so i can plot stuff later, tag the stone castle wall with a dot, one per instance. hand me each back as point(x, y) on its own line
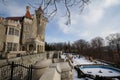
point(43, 67)
point(2, 37)
point(27, 60)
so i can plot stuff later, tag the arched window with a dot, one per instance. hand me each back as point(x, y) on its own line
point(31, 47)
point(23, 48)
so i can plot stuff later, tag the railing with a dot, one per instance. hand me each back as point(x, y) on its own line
point(13, 71)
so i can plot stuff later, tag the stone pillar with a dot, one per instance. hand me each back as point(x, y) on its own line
point(18, 46)
point(5, 46)
point(53, 73)
point(40, 48)
point(66, 71)
point(43, 48)
point(40, 67)
point(27, 46)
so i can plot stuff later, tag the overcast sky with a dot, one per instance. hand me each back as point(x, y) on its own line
point(99, 18)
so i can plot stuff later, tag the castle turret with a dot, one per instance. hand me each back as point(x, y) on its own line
point(28, 15)
point(26, 26)
point(41, 24)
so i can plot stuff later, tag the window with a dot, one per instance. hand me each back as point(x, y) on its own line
point(9, 46)
point(16, 32)
point(12, 46)
point(15, 46)
point(11, 31)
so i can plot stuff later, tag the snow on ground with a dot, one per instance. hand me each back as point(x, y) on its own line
point(94, 71)
point(63, 56)
point(80, 61)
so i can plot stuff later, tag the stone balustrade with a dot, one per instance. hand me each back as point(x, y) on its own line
point(66, 71)
point(27, 60)
point(13, 23)
point(44, 69)
point(40, 67)
point(53, 73)
point(58, 71)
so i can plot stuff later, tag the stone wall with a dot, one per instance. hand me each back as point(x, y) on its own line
point(58, 71)
point(66, 71)
point(2, 36)
point(44, 69)
point(30, 59)
point(40, 67)
point(52, 73)
point(27, 60)
point(50, 54)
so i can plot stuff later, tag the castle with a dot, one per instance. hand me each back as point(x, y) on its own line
point(22, 35)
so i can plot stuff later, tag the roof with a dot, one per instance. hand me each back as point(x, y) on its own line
point(28, 15)
point(40, 9)
point(14, 18)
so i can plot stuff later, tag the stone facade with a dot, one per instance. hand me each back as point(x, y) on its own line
point(25, 60)
point(26, 33)
point(10, 35)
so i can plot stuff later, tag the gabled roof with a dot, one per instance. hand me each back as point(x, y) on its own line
point(14, 18)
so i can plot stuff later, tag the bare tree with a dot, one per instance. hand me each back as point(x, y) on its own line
point(80, 45)
point(97, 43)
point(50, 7)
point(114, 42)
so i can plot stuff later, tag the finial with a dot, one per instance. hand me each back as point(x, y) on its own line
point(27, 8)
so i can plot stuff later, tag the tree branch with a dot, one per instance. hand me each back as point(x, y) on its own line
point(50, 7)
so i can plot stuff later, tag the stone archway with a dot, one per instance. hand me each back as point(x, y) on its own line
point(31, 47)
point(23, 48)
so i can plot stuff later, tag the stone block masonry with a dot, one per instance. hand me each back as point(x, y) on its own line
point(26, 60)
point(66, 71)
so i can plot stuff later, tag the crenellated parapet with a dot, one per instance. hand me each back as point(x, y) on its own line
point(13, 23)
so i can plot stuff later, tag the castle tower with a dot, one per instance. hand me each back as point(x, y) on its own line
point(41, 24)
point(26, 26)
point(28, 15)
